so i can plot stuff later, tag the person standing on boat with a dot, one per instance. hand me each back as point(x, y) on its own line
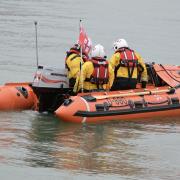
point(73, 63)
point(128, 66)
point(96, 73)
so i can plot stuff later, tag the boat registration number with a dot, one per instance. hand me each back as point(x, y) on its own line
point(117, 101)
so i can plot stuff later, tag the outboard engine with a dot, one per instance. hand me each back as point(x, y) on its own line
point(51, 86)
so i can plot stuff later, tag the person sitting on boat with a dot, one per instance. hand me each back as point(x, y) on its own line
point(73, 63)
point(128, 66)
point(96, 74)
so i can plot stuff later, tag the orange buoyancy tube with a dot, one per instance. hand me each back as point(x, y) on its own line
point(17, 96)
point(120, 105)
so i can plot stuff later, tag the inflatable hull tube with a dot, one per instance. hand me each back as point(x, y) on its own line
point(121, 105)
point(17, 96)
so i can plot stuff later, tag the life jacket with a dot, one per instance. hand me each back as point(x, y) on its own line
point(128, 60)
point(72, 51)
point(75, 51)
point(68, 53)
point(100, 74)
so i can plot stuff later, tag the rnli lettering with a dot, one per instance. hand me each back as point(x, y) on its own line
point(118, 101)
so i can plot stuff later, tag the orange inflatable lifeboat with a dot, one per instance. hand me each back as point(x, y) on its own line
point(17, 96)
point(161, 98)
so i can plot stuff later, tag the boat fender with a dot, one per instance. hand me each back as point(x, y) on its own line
point(137, 104)
point(102, 107)
point(67, 102)
point(174, 100)
point(23, 91)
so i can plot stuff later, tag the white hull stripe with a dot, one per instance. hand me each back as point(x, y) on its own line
point(87, 109)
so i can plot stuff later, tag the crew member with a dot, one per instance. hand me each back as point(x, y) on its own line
point(73, 63)
point(96, 74)
point(128, 67)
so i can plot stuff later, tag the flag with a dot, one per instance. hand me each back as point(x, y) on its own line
point(84, 41)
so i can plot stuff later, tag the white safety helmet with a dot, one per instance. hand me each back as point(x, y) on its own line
point(120, 43)
point(98, 51)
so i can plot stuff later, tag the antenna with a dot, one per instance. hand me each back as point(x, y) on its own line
point(37, 59)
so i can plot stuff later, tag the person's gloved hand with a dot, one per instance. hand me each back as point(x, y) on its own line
point(143, 84)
